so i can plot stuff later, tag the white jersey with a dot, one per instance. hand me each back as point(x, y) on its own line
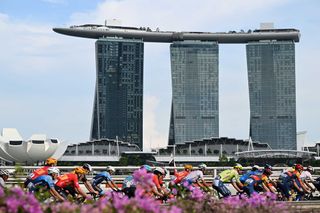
point(194, 176)
point(306, 175)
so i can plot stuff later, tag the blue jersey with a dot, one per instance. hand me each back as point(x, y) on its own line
point(99, 178)
point(44, 180)
point(247, 175)
point(127, 182)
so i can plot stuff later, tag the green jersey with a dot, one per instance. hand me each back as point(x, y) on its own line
point(230, 175)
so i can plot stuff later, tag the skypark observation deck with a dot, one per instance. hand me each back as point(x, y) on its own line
point(148, 35)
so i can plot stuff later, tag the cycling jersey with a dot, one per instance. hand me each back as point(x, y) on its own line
point(128, 182)
point(39, 172)
point(194, 176)
point(245, 176)
point(99, 178)
point(44, 180)
point(67, 180)
point(306, 175)
point(156, 181)
point(230, 175)
point(179, 176)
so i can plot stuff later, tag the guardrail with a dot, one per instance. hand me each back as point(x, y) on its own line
point(123, 171)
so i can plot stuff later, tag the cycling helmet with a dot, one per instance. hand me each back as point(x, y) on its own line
point(268, 166)
point(188, 166)
point(51, 161)
point(4, 172)
point(111, 169)
point(80, 171)
point(298, 167)
point(53, 170)
point(146, 167)
point(238, 166)
point(87, 167)
point(159, 170)
point(202, 166)
point(310, 169)
point(255, 167)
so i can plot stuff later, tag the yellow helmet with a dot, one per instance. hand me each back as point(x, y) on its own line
point(188, 166)
point(51, 161)
point(80, 171)
point(238, 166)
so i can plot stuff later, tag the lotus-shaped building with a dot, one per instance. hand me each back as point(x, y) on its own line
point(14, 149)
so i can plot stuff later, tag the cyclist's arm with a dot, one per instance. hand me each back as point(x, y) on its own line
point(156, 192)
point(303, 186)
point(89, 187)
point(234, 184)
point(112, 185)
point(55, 194)
point(266, 189)
point(296, 186)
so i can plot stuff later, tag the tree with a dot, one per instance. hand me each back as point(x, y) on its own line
point(200, 151)
point(216, 152)
point(209, 151)
point(223, 158)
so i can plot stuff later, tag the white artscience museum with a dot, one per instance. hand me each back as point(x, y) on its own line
point(37, 148)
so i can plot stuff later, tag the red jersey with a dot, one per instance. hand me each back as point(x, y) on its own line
point(67, 180)
point(156, 181)
point(180, 176)
point(39, 172)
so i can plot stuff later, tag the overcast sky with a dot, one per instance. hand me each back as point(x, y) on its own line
point(47, 80)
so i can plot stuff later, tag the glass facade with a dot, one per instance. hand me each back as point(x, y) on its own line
point(195, 106)
point(118, 102)
point(272, 93)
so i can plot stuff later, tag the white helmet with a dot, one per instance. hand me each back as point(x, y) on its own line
point(87, 166)
point(202, 166)
point(4, 172)
point(111, 168)
point(53, 170)
point(160, 170)
point(309, 168)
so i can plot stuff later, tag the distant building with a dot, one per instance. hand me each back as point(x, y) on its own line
point(272, 92)
point(118, 102)
point(195, 106)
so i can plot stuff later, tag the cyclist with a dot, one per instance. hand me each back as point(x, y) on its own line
point(128, 184)
point(307, 179)
point(104, 176)
point(69, 182)
point(258, 182)
point(268, 183)
point(229, 175)
point(254, 170)
point(157, 180)
point(300, 183)
point(48, 182)
point(178, 176)
point(4, 175)
point(85, 181)
point(50, 162)
point(291, 179)
point(196, 177)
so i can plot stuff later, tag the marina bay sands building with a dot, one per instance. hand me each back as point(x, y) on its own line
point(272, 93)
point(118, 98)
point(194, 112)
point(194, 67)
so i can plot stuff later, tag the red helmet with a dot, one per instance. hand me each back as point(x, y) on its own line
point(298, 167)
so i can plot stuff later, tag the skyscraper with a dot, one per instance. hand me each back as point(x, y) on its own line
point(195, 109)
point(272, 92)
point(118, 102)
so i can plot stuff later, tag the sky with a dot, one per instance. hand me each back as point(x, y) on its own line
point(47, 80)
